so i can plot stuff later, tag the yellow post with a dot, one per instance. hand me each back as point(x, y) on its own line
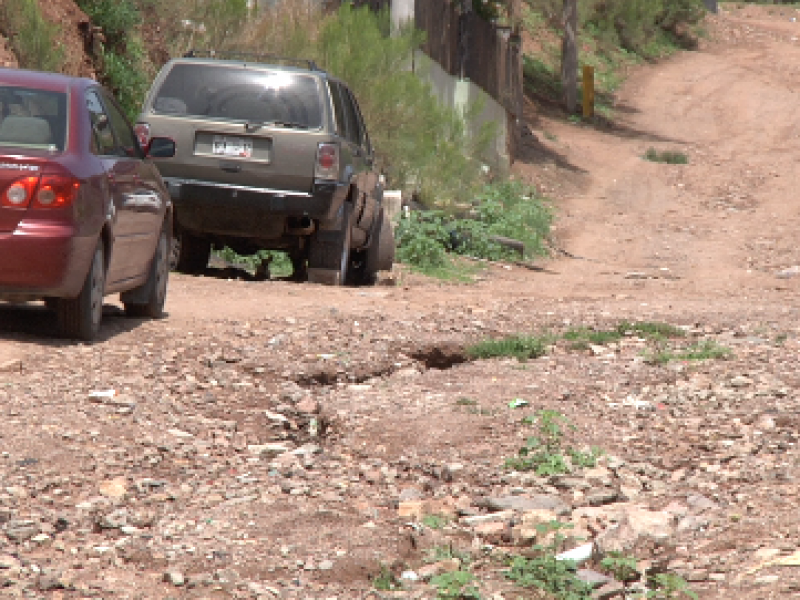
point(588, 91)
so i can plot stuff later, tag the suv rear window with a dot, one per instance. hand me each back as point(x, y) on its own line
point(241, 94)
point(32, 118)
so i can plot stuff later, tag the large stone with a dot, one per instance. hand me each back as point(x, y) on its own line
point(528, 503)
point(19, 530)
point(114, 488)
point(530, 528)
point(635, 524)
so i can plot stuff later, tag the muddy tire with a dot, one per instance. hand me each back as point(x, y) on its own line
point(188, 253)
point(80, 317)
point(329, 252)
point(379, 256)
point(148, 300)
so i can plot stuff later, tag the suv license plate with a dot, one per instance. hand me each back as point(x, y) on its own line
point(225, 145)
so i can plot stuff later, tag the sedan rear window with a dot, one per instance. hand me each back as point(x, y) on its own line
point(241, 94)
point(32, 118)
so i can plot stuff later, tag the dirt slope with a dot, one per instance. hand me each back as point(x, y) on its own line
point(170, 487)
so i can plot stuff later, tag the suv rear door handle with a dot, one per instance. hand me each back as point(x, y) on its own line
point(230, 167)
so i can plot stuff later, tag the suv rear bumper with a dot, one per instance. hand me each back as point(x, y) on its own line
point(240, 211)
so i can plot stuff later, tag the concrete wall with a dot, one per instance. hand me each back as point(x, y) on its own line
point(461, 94)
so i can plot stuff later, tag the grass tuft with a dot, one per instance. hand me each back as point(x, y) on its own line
point(521, 347)
point(671, 157)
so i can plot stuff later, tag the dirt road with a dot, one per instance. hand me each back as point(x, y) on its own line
point(270, 439)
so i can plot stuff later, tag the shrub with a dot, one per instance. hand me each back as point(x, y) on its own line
point(124, 75)
point(32, 39)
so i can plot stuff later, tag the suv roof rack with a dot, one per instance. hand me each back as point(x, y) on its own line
point(251, 56)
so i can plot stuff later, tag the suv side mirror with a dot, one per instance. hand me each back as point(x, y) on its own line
point(160, 147)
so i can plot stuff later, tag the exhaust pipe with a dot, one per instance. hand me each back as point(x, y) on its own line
point(303, 226)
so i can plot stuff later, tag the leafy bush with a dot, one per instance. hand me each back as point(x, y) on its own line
point(124, 66)
point(32, 38)
point(422, 240)
point(117, 18)
point(506, 210)
point(124, 75)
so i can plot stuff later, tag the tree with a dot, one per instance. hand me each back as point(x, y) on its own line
point(569, 55)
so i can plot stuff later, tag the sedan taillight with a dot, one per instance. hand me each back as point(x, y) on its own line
point(20, 192)
point(57, 191)
point(46, 191)
point(327, 162)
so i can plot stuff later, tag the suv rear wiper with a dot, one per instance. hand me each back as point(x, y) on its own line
point(253, 126)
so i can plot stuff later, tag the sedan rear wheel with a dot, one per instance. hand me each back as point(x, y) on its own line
point(154, 290)
point(80, 317)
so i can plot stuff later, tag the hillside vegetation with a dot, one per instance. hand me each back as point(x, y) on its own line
point(422, 146)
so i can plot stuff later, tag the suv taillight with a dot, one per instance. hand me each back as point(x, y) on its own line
point(142, 134)
point(327, 162)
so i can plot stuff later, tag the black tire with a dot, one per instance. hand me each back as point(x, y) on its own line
point(188, 253)
point(80, 317)
point(329, 252)
point(364, 270)
point(148, 300)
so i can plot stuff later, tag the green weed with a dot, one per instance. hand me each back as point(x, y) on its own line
point(582, 337)
point(672, 157)
point(439, 553)
point(622, 567)
point(457, 585)
point(517, 346)
point(435, 521)
point(545, 453)
point(385, 580)
point(704, 350)
point(279, 263)
point(545, 572)
point(669, 586)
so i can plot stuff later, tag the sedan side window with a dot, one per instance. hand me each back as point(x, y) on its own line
point(123, 131)
point(103, 142)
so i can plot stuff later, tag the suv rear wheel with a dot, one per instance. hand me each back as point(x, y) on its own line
point(188, 253)
point(329, 252)
point(379, 256)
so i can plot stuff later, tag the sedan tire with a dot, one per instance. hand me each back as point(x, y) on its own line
point(154, 291)
point(80, 317)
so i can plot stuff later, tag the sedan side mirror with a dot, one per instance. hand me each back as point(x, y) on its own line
point(160, 147)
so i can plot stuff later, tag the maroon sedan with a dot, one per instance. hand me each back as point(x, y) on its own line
point(83, 210)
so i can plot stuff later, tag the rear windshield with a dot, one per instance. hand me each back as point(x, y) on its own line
point(31, 118)
point(241, 94)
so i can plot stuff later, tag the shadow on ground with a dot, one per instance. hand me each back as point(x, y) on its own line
point(33, 323)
